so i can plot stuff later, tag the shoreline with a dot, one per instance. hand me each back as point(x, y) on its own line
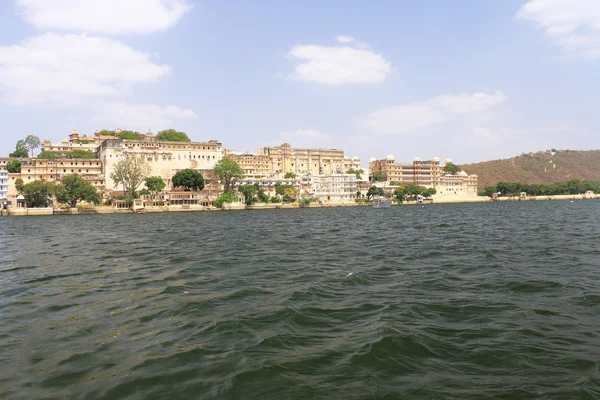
point(446, 199)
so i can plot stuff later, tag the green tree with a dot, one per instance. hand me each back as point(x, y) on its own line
point(32, 143)
point(73, 189)
point(130, 135)
point(379, 177)
point(248, 191)
point(188, 179)
point(155, 184)
point(130, 172)
point(48, 154)
point(229, 173)
point(489, 190)
point(289, 175)
point(262, 196)
point(374, 191)
point(452, 168)
point(357, 172)
point(429, 192)
point(19, 185)
point(225, 197)
point(80, 153)
point(13, 166)
point(409, 191)
point(20, 150)
point(171, 135)
point(37, 193)
point(106, 132)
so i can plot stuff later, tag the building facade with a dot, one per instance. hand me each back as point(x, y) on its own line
point(53, 170)
point(252, 164)
point(165, 158)
point(429, 173)
point(334, 187)
point(3, 185)
point(284, 158)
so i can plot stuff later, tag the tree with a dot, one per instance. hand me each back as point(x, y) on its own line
point(19, 185)
point(188, 179)
point(130, 172)
point(37, 193)
point(379, 177)
point(374, 191)
point(430, 192)
point(357, 172)
point(289, 175)
point(13, 166)
point(130, 135)
point(411, 191)
point(262, 196)
point(171, 135)
point(155, 184)
point(74, 189)
point(48, 154)
point(20, 150)
point(32, 142)
point(452, 168)
point(248, 191)
point(229, 172)
point(225, 197)
point(79, 153)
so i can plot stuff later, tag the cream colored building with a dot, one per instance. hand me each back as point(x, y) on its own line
point(285, 158)
point(53, 170)
point(252, 164)
point(78, 142)
point(334, 187)
point(165, 158)
point(428, 173)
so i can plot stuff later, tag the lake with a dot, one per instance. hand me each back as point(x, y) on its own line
point(456, 301)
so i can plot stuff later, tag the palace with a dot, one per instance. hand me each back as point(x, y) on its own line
point(428, 173)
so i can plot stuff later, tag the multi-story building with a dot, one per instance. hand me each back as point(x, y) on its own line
point(165, 158)
point(53, 170)
point(3, 185)
point(79, 142)
point(252, 164)
point(429, 173)
point(334, 187)
point(284, 158)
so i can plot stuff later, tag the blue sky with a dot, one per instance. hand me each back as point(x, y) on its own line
point(471, 80)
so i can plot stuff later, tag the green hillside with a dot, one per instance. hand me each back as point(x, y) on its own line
point(542, 167)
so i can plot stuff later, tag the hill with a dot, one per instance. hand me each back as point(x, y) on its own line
point(542, 167)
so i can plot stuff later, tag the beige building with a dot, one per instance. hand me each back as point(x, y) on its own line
point(79, 142)
point(429, 173)
point(165, 158)
point(334, 187)
point(253, 165)
point(285, 158)
point(33, 169)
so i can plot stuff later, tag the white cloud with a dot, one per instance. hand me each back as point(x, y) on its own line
point(71, 68)
point(141, 116)
point(344, 39)
point(339, 65)
point(410, 117)
point(104, 16)
point(574, 25)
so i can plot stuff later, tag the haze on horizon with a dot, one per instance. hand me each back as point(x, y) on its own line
point(468, 79)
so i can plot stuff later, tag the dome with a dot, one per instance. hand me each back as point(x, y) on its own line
point(448, 161)
point(118, 130)
point(463, 173)
point(372, 159)
point(346, 158)
point(416, 159)
point(74, 132)
point(436, 159)
point(355, 158)
point(390, 157)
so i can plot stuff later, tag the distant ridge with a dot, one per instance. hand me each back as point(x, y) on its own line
point(542, 167)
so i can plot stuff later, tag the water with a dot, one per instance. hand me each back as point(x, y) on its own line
point(447, 301)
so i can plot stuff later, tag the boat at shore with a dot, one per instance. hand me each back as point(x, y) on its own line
point(381, 202)
point(140, 211)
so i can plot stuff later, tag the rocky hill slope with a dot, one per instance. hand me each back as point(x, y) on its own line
point(542, 167)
